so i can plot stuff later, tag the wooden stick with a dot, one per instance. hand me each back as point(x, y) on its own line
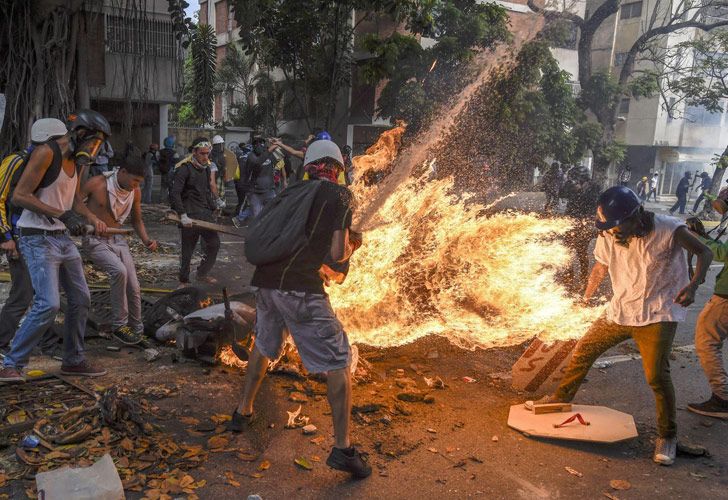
point(201, 224)
point(109, 230)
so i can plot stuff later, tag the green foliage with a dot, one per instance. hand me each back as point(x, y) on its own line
point(523, 116)
point(612, 152)
point(420, 78)
point(202, 87)
point(645, 84)
point(309, 40)
point(186, 114)
point(600, 94)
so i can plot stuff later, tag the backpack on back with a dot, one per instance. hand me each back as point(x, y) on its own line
point(279, 231)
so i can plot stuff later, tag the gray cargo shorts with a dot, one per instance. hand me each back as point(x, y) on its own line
point(317, 333)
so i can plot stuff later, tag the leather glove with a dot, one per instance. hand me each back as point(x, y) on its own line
point(185, 220)
point(74, 222)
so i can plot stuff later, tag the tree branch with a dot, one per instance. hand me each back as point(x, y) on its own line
point(555, 14)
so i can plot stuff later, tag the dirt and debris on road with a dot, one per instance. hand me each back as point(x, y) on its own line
point(166, 429)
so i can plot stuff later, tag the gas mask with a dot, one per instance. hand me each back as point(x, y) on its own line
point(86, 147)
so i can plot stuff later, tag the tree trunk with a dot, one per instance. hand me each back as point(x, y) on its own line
point(84, 95)
point(720, 167)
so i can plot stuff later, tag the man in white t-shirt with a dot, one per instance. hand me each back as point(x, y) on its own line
point(644, 255)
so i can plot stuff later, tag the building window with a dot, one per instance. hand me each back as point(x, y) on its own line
point(701, 116)
point(630, 10)
point(620, 58)
point(624, 106)
point(146, 37)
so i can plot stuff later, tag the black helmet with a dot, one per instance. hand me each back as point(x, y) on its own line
point(616, 205)
point(89, 119)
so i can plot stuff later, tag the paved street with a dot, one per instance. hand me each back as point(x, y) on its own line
point(459, 446)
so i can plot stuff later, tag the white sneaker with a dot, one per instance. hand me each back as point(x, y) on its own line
point(665, 450)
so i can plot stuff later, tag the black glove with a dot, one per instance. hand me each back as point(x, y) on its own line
point(74, 222)
point(696, 226)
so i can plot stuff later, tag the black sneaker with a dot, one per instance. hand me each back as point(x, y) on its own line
point(239, 422)
point(349, 460)
point(127, 336)
point(714, 407)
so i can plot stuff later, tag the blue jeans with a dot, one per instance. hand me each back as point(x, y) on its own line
point(52, 261)
point(680, 203)
point(258, 201)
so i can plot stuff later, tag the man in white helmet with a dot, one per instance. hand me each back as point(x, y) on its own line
point(21, 290)
point(290, 297)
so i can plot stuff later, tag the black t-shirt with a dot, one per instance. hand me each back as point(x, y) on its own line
point(331, 211)
point(262, 168)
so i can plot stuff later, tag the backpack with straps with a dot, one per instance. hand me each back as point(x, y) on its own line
point(279, 231)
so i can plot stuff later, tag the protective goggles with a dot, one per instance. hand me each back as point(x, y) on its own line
point(202, 145)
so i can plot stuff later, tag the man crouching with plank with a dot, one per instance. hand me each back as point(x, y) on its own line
point(112, 197)
point(53, 210)
point(644, 255)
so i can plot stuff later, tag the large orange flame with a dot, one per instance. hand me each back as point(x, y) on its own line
point(432, 264)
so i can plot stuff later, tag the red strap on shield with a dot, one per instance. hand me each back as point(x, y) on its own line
point(575, 416)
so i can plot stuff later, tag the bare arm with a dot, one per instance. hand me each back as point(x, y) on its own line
point(690, 242)
point(288, 149)
point(598, 272)
point(23, 196)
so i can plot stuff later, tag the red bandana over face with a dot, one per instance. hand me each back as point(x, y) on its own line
point(323, 170)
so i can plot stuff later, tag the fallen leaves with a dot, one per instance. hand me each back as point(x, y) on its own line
point(127, 444)
point(304, 463)
point(264, 465)
point(17, 417)
point(620, 484)
point(231, 479)
point(217, 443)
point(573, 472)
point(189, 420)
point(221, 418)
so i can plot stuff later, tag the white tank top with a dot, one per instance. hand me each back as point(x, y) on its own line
point(58, 195)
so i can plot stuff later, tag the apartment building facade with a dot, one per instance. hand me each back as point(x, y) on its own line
point(657, 141)
point(133, 67)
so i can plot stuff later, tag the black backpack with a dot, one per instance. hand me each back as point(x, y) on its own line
point(166, 161)
point(279, 231)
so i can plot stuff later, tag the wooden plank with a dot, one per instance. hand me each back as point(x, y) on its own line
point(551, 408)
point(110, 230)
point(201, 224)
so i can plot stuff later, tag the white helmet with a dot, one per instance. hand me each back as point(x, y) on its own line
point(323, 149)
point(46, 129)
point(218, 140)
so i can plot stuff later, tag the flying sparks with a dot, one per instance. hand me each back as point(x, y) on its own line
point(434, 264)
